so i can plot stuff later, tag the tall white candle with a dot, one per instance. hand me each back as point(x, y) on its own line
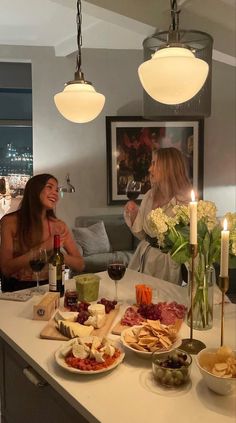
point(224, 254)
point(193, 219)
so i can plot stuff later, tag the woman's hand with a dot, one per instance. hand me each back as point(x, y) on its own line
point(131, 210)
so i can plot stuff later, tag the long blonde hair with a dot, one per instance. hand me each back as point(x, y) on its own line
point(171, 179)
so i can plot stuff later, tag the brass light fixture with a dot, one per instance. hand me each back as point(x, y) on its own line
point(67, 187)
point(174, 74)
point(79, 102)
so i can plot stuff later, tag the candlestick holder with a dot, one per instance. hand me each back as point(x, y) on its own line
point(224, 286)
point(191, 345)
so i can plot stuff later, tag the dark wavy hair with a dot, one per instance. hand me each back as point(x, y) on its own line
point(29, 213)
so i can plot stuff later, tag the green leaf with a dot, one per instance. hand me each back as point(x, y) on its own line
point(232, 262)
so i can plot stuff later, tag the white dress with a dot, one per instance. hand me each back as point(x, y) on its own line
point(147, 259)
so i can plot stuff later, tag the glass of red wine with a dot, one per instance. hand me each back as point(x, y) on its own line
point(116, 270)
point(133, 189)
point(38, 259)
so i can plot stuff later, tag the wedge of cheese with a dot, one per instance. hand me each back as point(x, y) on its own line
point(73, 329)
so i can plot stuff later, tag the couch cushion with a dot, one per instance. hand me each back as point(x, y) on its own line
point(119, 234)
point(93, 239)
point(99, 262)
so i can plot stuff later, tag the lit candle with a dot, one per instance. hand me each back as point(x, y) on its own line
point(193, 219)
point(224, 255)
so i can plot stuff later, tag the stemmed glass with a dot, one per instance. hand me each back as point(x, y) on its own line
point(116, 270)
point(133, 189)
point(38, 259)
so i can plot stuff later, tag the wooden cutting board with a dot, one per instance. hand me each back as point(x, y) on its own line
point(50, 331)
point(117, 329)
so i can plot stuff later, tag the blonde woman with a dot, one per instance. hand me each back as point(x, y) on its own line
point(169, 186)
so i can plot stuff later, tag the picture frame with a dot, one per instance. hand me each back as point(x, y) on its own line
point(129, 143)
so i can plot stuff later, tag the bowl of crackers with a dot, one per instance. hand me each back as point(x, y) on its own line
point(149, 337)
point(218, 369)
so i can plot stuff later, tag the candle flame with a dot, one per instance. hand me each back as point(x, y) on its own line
point(225, 224)
point(192, 195)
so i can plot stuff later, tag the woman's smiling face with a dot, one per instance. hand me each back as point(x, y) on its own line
point(49, 194)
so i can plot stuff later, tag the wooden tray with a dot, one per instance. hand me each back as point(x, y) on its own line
point(50, 331)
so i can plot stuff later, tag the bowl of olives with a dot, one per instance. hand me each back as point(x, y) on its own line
point(171, 369)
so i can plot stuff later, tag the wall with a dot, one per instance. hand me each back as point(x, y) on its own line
point(61, 146)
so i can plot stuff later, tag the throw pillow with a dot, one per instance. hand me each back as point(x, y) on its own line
point(92, 240)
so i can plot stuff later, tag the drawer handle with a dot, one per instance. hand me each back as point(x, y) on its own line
point(34, 378)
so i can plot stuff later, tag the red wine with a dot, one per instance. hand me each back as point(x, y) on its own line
point(116, 271)
point(132, 195)
point(37, 265)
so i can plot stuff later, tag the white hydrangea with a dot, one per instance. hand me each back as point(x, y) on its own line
point(158, 222)
point(206, 211)
point(182, 213)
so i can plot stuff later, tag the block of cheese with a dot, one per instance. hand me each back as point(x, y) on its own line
point(46, 306)
point(73, 329)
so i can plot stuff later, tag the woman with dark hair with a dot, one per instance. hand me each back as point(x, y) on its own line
point(169, 186)
point(33, 225)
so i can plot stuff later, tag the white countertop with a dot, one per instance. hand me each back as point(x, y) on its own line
point(123, 395)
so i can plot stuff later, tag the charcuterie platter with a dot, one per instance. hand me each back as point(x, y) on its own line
point(167, 313)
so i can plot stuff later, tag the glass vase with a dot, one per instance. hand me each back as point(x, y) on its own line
point(203, 288)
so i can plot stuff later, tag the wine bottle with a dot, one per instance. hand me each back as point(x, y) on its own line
point(56, 268)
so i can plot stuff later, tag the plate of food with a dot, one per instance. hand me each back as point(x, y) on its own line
point(151, 336)
point(89, 355)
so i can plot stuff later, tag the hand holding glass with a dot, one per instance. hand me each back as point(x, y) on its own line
point(38, 259)
point(133, 189)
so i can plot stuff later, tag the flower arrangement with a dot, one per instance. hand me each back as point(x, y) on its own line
point(172, 233)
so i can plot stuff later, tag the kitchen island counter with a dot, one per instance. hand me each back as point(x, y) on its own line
point(124, 394)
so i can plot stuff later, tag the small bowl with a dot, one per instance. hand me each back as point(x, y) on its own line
point(220, 385)
point(168, 376)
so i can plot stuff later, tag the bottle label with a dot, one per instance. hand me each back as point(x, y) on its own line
point(52, 277)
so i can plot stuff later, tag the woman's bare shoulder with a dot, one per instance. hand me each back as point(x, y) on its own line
point(9, 219)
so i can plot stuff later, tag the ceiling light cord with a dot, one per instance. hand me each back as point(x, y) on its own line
point(78, 73)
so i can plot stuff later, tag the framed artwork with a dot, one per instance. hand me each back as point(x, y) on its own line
point(130, 141)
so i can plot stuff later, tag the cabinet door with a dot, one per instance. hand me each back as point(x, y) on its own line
point(23, 401)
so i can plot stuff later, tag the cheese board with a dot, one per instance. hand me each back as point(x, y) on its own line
point(50, 331)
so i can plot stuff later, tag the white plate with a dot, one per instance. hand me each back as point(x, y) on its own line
point(60, 359)
point(176, 344)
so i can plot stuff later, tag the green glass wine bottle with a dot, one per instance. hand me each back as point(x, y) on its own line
point(56, 268)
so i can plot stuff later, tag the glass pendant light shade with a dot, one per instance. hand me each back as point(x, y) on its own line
point(177, 70)
point(79, 102)
point(173, 75)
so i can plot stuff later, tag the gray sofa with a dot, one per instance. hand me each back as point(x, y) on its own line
point(102, 238)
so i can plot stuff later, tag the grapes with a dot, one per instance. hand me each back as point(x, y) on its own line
point(173, 370)
point(109, 305)
point(82, 316)
point(150, 311)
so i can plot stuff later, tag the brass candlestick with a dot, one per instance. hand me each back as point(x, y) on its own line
point(190, 345)
point(224, 286)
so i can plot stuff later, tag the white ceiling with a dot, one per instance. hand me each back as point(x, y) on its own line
point(53, 23)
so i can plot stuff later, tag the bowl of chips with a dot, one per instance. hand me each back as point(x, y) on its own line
point(171, 369)
point(149, 337)
point(218, 369)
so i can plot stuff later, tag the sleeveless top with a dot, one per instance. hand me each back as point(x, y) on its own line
point(55, 227)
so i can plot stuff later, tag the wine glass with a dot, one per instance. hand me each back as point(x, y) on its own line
point(133, 189)
point(116, 270)
point(38, 259)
